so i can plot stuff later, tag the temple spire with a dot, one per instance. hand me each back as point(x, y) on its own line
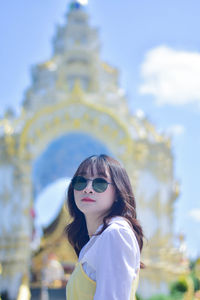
point(77, 4)
point(82, 2)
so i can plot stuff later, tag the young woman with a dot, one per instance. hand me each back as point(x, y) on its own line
point(104, 232)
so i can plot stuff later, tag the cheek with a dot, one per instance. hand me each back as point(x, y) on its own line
point(111, 196)
point(76, 196)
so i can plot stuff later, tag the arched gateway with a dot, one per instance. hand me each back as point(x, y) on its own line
point(75, 107)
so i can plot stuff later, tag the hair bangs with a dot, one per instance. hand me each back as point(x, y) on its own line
point(94, 165)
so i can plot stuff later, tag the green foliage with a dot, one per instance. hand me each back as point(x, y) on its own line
point(196, 282)
point(177, 296)
point(179, 286)
point(195, 273)
point(159, 297)
point(138, 297)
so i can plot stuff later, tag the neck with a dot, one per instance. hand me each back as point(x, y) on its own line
point(92, 224)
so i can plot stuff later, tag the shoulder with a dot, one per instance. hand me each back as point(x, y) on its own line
point(117, 225)
point(120, 232)
point(118, 244)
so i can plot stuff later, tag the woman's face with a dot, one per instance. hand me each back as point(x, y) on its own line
point(92, 203)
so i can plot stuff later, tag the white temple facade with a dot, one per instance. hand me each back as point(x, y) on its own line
point(75, 108)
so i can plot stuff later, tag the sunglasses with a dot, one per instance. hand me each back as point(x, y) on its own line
point(99, 185)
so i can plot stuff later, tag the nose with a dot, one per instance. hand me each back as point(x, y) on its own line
point(88, 189)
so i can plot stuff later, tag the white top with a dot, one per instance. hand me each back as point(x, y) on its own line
point(112, 259)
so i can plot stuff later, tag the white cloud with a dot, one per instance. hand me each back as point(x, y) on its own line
point(195, 214)
point(171, 76)
point(175, 130)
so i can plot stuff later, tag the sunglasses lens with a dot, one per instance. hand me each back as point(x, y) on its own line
point(79, 183)
point(99, 185)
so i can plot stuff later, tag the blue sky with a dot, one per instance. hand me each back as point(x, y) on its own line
point(156, 47)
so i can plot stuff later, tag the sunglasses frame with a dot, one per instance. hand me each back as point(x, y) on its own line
point(93, 183)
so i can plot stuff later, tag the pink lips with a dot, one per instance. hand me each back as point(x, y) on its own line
point(87, 200)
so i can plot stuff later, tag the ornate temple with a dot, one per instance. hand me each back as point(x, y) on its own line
point(75, 108)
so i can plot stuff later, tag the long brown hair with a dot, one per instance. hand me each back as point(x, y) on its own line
point(125, 205)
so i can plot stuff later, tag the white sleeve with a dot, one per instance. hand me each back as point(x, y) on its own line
point(118, 260)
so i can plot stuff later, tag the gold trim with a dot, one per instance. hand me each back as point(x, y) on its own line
point(49, 110)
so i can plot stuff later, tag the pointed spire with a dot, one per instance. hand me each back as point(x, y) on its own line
point(82, 2)
point(77, 91)
point(77, 4)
